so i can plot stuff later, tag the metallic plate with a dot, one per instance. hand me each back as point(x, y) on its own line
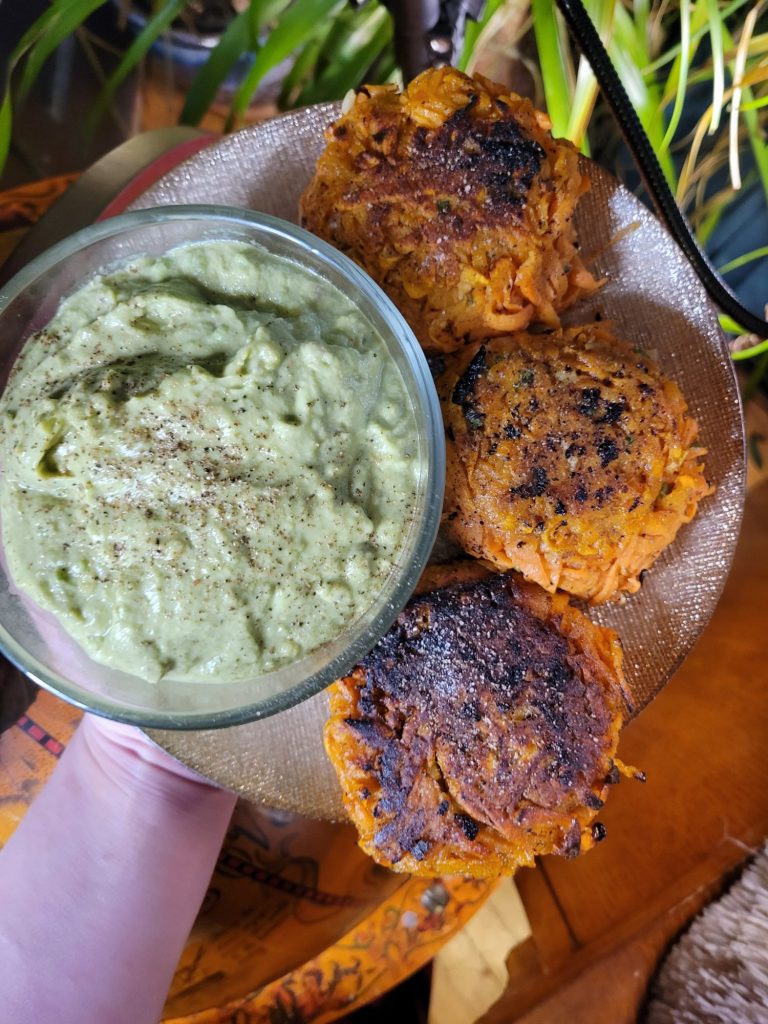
point(655, 299)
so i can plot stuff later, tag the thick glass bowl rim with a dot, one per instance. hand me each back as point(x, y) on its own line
point(425, 396)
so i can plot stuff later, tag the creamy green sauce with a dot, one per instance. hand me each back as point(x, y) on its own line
point(209, 464)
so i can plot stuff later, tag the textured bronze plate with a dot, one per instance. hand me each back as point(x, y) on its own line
point(655, 299)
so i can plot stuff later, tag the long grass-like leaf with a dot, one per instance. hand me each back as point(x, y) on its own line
point(235, 41)
point(751, 352)
point(730, 326)
point(751, 118)
point(680, 72)
point(154, 28)
point(5, 127)
point(352, 60)
point(554, 60)
point(585, 91)
point(718, 63)
point(739, 67)
point(296, 26)
point(300, 72)
point(650, 68)
point(751, 78)
point(757, 104)
point(629, 52)
point(741, 261)
point(473, 30)
point(69, 15)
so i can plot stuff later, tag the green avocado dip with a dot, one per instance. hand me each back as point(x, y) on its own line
point(209, 464)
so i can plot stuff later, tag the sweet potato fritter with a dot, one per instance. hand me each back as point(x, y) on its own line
point(454, 196)
point(570, 458)
point(480, 732)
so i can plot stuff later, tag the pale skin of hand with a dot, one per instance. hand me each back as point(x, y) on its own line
point(102, 880)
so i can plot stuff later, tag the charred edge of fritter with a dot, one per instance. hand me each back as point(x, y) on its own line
point(391, 686)
point(463, 392)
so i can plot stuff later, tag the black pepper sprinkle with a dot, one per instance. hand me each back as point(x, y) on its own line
point(607, 450)
point(536, 485)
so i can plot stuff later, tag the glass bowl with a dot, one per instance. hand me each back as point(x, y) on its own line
point(34, 640)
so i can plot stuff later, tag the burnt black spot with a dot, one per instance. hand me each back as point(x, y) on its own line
point(494, 155)
point(613, 778)
point(560, 508)
point(468, 825)
point(464, 390)
point(420, 849)
point(442, 808)
point(607, 450)
point(599, 832)
point(613, 412)
point(645, 389)
point(533, 405)
point(449, 433)
point(593, 801)
point(590, 399)
point(536, 486)
point(465, 386)
point(581, 494)
point(634, 504)
point(512, 432)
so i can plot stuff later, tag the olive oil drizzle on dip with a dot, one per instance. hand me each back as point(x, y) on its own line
point(209, 464)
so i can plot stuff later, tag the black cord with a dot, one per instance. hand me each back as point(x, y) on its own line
point(583, 31)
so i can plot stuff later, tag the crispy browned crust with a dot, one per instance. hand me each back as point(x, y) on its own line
point(570, 458)
point(454, 196)
point(480, 732)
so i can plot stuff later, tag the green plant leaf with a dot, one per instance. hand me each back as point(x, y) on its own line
point(6, 119)
point(755, 104)
point(295, 27)
point(752, 121)
point(749, 353)
point(300, 72)
point(718, 63)
point(650, 68)
point(629, 52)
point(235, 41)
point(741, 261)
point(554, 61)
point(679, 73)
point(472, 30)
point(353, 61)
point(585, 92)
point(154, 28)
point(67, 16)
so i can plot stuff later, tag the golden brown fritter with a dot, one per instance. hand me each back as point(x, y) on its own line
point(481, 730)
point(454, 196)
point(570, 458)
